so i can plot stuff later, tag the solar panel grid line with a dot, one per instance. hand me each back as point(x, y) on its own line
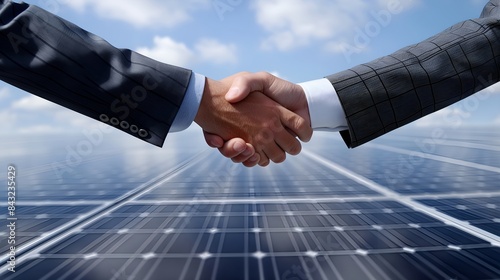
point(176, 235)
point(300, 233)
point(258, 246)
point(455, 195)
point(28, 251)
point(27, 246)
point(358, 252)
point(59, 203)
point(262, 200)
point(373, 233)
point(483, 263)
point(452, 143)
point(322, 245)
point(433, 267)
point(219, 247)
point(487, 236)
point(208, 245)
point(270, 245)
point(139, 249)
point(435, 157)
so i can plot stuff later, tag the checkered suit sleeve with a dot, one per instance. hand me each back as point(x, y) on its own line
point(56, 60)
point(415, 81)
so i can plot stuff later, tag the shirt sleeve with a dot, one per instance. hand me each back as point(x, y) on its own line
point(190, 104)
point(324, 106)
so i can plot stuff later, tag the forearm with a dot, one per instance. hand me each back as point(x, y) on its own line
point(54, 59)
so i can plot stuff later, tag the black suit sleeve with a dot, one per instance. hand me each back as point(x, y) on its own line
point(56, 60)
point(415, 81)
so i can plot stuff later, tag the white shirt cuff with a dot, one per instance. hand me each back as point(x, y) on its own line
point(325, 109)
point(190, 104)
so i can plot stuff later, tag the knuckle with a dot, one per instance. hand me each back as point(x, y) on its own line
point(275, 125)
point(265, 136)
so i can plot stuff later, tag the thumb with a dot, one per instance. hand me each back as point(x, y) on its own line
point(236, 94)
point(245, 84)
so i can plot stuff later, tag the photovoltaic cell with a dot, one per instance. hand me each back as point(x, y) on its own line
point(386, 210)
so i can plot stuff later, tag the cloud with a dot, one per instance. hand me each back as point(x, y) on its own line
point(34, 103)
point(167, 50)
point(449, 117)
point(494, 89)
point(8, 118)
point(144, 13)
point(297, 23)
point(41, 129)
point(4, 93)
point(211, 50)
point(33, 114)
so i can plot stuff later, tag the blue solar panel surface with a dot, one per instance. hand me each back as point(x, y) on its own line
point(409, 205)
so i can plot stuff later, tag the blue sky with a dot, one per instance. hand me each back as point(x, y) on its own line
point(298, 40)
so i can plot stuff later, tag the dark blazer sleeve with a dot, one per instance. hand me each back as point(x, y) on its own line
point(415, 81)
point(56, 60)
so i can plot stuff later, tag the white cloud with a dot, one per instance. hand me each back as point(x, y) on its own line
point(143, 13)
point(211, 50)
point(34, 103)
point(449, 117)
point(8, 118)
point(41, 129)
point(296, 23)
point(167, 50)
point(33, 114)
point(4, 93)
point(72, 119)
point(494, 89)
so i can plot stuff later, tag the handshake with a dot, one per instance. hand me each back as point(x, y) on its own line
point(254, 118)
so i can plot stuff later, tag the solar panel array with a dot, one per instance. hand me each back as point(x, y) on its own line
point(402, 207)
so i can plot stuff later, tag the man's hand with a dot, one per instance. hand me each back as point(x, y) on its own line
point(258, 120)
point(288, 94)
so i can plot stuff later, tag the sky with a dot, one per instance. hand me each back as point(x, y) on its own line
point(299, 40)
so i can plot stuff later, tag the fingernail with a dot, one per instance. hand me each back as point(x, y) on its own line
point(239, 147)
point(254, 158)
point(232, 93)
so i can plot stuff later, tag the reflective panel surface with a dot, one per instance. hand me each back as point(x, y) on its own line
point(406, 206)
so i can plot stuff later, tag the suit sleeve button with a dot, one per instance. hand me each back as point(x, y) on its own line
point(124, 125)
point(115, 121)
point(143, 133)
point(104, 118)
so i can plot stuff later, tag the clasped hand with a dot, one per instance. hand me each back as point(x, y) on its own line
point(254, 118)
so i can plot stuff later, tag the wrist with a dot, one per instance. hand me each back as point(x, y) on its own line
point(201, 109)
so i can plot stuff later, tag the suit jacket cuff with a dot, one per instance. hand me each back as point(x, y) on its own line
point(325, 109)
point(190, 104)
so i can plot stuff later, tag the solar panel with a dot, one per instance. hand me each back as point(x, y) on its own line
point(391, 209)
